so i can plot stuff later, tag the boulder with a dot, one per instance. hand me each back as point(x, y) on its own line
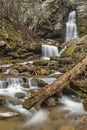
point(51, 102)
point(41, 83)
point(2, 43)
point(85, 104)
point(14, 72)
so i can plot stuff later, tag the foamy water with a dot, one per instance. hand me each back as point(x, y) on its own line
point(72, 105)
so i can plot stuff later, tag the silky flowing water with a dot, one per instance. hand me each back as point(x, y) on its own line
point(54, 118)
point(69, 114)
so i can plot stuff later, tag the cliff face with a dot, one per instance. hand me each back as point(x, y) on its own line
point(48, 18)
point(81, 7)
point(16, 40)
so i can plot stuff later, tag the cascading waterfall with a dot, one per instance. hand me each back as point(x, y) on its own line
point(48, 51)
point(71, 33)
point(1, 84)
point(14, 81)
point(14, 102)
point(71, 27)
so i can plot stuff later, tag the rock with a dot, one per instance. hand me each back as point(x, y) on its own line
point(2, 43)
point(41, 83)
point(40, 62)
point(43, 71)
point(85, 104)
point(20, 95)
point(81, 7)
point(70, 50)
point(14, 72)
point(50, 102)
point(25, 84)
point(2, 100)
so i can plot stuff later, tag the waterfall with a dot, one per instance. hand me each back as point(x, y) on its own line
point(71, 27)
point(48, 51)
point(11, 81)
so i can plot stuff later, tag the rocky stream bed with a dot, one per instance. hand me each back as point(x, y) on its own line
point(40, 41)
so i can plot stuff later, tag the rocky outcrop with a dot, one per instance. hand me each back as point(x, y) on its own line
point(48, 18)
point(17, 41)
point(81, 7)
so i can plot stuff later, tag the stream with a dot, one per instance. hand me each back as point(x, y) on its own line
point(69, 114)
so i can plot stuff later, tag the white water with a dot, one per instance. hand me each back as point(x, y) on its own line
point(13, 92)
point(6, 65)
point(39, 117)
point(32, 116)
point(54, 72)
point(2, 82)
point(48, 51)
point(26, 62)
point(7, 114)
point(71, 27)
point(7, 71)
point(14, 81)
point(75, 107)
point(48, 80)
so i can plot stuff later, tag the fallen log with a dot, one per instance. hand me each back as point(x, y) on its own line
point(42, 94)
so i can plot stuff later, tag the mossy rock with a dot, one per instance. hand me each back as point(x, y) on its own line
point(25, 74)
point(41, 62)
point(43, 72)
point(8, 62)
point(71, 50)
point(41, 83)
point(54, 58)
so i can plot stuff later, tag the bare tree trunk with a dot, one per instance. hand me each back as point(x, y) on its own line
point(42, 94)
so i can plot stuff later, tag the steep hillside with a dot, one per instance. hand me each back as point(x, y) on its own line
point(16, 40)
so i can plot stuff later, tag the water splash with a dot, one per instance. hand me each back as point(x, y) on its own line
point(72, 105)
point(39, 117)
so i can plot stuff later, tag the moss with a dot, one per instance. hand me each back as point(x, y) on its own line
point(47, 72)
point(41, 62)
point(7, 62)
point(38, 72)
point(43, 72)
point(41, 83)
point(71, 50)
point(25, 74)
